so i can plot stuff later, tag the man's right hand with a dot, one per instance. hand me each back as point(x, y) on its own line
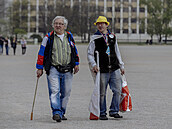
point(95, 69)
point(39, 72)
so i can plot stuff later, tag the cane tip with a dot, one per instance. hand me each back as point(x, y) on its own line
point(31, 117)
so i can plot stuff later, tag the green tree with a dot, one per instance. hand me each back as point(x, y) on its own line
point(77, 21)
point(167, 18)
point(159, 17)
point(18, 16)
point(3, 24)
point(151, 28)
point(19, 31)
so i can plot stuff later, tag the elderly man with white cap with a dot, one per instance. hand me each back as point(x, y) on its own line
point(111, 66)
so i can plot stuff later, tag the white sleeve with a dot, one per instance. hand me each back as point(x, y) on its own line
point(44, 41)
point(9, 41)
point(90, 53)
point(121, 63)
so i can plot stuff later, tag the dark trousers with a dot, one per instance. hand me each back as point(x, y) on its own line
point(1, 49)
point(23, 50)
point(6, 47)
point(14, 50)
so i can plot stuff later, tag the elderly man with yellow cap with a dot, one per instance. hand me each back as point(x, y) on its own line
point(111, 66)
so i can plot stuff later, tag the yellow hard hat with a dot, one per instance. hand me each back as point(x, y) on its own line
point(101, 19)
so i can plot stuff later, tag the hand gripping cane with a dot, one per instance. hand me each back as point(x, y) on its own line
point(31, 117)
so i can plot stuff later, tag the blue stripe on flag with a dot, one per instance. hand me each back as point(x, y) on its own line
point(39, 66)
point(108, 51)
point(41, 51)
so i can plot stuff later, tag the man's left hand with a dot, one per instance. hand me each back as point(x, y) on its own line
point(122, 71)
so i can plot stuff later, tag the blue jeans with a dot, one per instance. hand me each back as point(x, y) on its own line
point(59, 85)
point(114, 80)
point(6, 47)
point(1, 49)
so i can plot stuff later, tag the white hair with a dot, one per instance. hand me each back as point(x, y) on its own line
point(60, 17)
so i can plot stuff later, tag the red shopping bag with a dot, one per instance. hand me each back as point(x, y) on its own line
point(126, 103)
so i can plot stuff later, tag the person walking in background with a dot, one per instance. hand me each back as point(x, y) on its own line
point(2, 40)
point(59, 57)
point(14, 45)
point(111, 66)
point(23, 45)
point(7, 42)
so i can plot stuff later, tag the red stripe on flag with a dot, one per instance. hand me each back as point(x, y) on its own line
point(93, 117)
point(40, 60)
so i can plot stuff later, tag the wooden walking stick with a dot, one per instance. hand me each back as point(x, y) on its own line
point(31, 117)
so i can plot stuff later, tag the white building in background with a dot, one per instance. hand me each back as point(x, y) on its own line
point(4, 5)
point(124, 16)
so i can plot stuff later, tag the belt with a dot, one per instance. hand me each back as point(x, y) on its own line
point(63, 68)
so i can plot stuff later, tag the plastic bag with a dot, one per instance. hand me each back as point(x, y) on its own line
point(125, 100)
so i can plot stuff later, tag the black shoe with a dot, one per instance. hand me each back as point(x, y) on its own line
point(116, 115)
point(104, 117)
point(57, 117)
point(64, 118)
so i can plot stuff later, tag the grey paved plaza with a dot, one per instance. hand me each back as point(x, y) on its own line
point(149, 75)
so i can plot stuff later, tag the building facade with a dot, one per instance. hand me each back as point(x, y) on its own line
point(124, 16)
point(4, 5)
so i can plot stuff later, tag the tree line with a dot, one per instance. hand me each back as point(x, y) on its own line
point(82, 15)
point(78, 17)
point(159, 18)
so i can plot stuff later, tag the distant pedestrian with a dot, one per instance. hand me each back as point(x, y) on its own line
point(7, 42)
point(151, 42)
point(14, 45)
point(2, 39)
point(23, 45)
